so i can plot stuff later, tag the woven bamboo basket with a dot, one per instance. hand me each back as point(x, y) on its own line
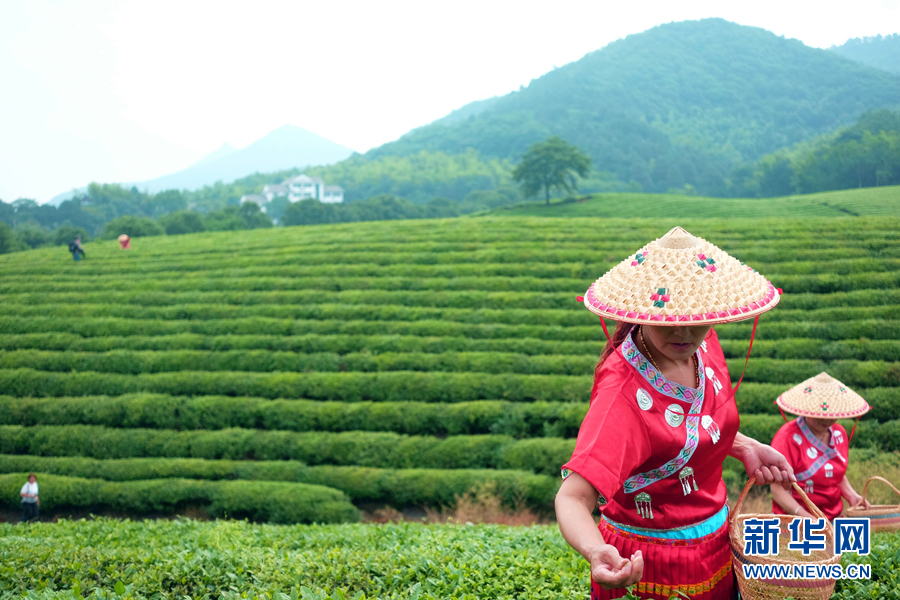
point(882, 517)
point(777, 589)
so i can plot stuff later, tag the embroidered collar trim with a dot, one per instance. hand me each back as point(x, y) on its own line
point(636, 359)
point(692, 437)
point(811, 437)
point(826, 453)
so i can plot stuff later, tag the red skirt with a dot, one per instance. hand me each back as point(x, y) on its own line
point(700, 568)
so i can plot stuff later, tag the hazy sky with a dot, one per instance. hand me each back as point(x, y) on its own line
point(119, 90)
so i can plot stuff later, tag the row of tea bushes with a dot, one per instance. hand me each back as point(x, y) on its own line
point(397, 487)
point(350, 387)
point(275, 502)
point(160, 411)
point(784, 371)
point(868, 304)
point(96, 326)
point(342, 344)
point(809, 259)
point(471, 300)
point(247, 267)
point(356, 448)
point(396, 386)
point(517, 419)
point(817, 284)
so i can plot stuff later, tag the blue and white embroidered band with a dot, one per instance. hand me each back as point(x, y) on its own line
point(690, 532)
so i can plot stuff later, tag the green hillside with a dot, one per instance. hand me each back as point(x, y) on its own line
point(881, 52)
point(397, 363)
point(680, 103)
point(859, 202)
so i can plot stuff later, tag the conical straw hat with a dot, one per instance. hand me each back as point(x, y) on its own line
point(823, 397)
point(680, 279)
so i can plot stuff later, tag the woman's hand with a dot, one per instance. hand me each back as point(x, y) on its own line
point(854, 499)
point(764, 462)
point(850, 494)
point(610, 571)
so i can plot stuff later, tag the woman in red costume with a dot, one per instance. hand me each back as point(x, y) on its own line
point(817, 447)
point(661, 422)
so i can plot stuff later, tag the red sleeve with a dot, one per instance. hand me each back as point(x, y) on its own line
point(612, 441)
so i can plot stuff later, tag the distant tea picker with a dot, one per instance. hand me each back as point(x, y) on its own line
point(817, 446)
point(661, 421)
point(30, 501)
point(76, 249)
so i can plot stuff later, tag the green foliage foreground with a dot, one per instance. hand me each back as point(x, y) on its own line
point(169, 559)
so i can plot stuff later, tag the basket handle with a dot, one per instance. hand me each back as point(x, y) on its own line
point(809, 505)
point(866, 489)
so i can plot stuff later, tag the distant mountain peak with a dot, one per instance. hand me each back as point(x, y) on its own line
point(224, 150)
point(286, 147)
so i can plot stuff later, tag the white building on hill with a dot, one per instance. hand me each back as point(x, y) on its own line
point(297, 188)
point(273, 190)
point(302, 187)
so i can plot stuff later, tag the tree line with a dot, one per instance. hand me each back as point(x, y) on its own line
point(866, 154)
point(109, 210)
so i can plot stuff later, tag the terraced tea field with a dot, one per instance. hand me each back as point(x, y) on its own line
point(297, 375)
point(281, 375)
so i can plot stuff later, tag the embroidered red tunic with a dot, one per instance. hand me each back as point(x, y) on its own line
point(819, 468)
point(654, 449)
point(642, 431)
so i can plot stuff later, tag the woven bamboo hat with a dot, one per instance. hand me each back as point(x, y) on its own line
point(823, 397)
point(678, 279)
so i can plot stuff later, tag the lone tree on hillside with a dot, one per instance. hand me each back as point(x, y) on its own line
point(551, 164)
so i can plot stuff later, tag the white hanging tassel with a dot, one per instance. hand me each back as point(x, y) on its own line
point(642, 502)
point(687, 480)
point(711, 428)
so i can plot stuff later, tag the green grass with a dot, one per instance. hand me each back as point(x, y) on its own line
point(105, 559)
point(858, 202)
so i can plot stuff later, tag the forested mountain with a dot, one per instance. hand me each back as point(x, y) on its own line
point(682, 103)
point(881, 52)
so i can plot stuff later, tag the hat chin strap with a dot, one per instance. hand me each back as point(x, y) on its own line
point(775, 402)
point(752, 335)
point(852, 431)
point(605, 332)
